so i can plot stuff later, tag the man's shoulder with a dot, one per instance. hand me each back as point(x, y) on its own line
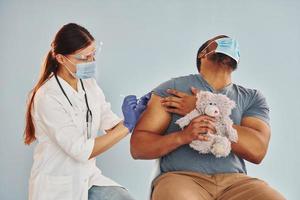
point(172, 82)
point(249, 94)
point(246, 90)
point(186, 77)
point(175, 83)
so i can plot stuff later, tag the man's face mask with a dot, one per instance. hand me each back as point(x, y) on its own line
point(227, 46)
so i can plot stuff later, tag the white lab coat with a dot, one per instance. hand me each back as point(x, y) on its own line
point(61, 169)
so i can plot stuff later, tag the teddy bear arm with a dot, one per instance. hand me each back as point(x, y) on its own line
point(231, 132)
point(184, 121)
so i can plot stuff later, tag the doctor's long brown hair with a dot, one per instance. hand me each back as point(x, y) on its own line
point(70, 38)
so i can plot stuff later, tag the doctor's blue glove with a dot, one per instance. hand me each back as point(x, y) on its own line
point(133, 108)
point(144, 99)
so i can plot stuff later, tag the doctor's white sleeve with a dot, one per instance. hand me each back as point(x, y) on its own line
point(108, 119)
point(61, 128)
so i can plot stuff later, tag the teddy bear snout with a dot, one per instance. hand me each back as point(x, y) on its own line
point(212, 110)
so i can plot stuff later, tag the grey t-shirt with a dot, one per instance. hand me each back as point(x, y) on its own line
point(249, 102)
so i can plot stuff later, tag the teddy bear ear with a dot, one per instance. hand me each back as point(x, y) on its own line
point(210, 95)
point(231, 103)
point(221, 99)
point(225, 103)
point(199, 94)
point(202, 96)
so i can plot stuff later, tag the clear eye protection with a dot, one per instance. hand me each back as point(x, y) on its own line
point(92, 56)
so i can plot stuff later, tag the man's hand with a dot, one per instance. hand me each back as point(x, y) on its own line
point(198, 128)
point(180, 103)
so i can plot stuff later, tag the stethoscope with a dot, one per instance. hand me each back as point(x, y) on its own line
point(89, 116)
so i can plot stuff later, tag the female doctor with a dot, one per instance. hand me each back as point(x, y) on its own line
point(65, 110)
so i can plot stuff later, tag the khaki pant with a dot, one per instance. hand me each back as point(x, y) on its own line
point(182, 185)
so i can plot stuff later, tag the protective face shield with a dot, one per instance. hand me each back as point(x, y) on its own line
point(87, 69)
point(92, 55)
point(227, 46)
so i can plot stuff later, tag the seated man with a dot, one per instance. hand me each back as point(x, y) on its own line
point(186, 174)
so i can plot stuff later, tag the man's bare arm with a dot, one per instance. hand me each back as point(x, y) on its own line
point(254, 136)
point(147, 141)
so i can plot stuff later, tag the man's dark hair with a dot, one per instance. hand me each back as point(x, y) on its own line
point(216, 57)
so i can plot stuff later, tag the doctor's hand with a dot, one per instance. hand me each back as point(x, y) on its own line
point(180, 103)
point(132, 108)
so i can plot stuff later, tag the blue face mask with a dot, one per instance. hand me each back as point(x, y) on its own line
point(86, 70)
point(83, 70)
point(227, 46)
